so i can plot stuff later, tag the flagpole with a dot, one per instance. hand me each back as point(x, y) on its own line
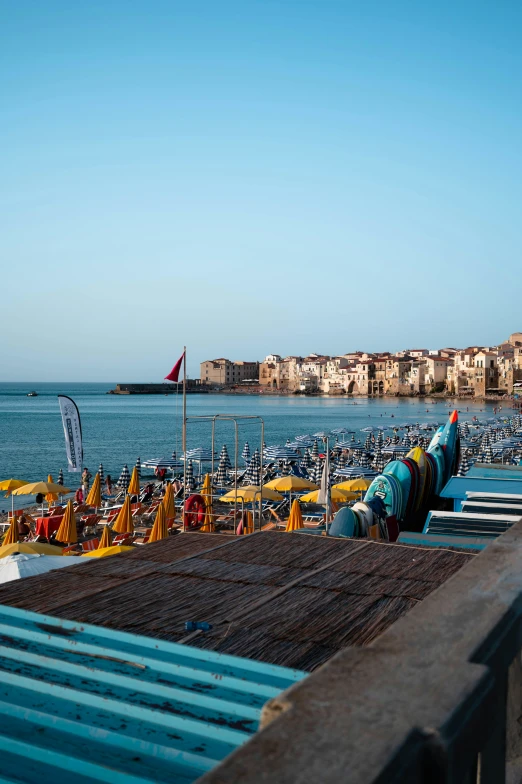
point(184, 431)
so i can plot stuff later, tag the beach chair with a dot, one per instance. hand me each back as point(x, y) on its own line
point(73, 548)
point(90, 544)
point(277, 522)
point(121, 538)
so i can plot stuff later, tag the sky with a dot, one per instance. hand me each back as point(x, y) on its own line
point(254, 177)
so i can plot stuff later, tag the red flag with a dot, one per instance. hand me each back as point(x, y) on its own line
point(174, 373)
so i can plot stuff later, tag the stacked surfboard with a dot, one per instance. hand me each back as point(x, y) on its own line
point(407, 486)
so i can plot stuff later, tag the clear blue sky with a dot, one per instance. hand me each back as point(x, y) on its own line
point(253, 177)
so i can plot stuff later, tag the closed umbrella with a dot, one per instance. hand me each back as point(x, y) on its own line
point(190, 484)
point(464, 466)
point(94, 496)
point(138, 467)
point(317, 472)
point(488, 454)
point(222, 476)
point(134, 484)
point(295, 519)
point(60, 477)
point(124, 523)
point(245, 454)
point(124, 480)
point(315, 451)
point(51, 497)
point(102, 474)
point(67, 531)
point(106, 538)
point(11, 536)
point(206, 492)
point(224, 458)
point(159, 529)
point(169, 504)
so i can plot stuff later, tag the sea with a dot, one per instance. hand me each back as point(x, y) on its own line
point(119, 429)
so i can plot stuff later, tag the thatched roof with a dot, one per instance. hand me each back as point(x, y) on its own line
point(286, 599)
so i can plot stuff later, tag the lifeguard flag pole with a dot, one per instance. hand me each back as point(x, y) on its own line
point(174, 376)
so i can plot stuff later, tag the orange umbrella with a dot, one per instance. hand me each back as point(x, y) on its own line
point(159, 529)
point(134, 486)
point(106, 539)
point(206, 491)
point(67, 531)
point(124, 524)
point(94, 496)
point(51, 497)
point(168, 503)
point(11, 536)
point(295, 519)
point(249, 526)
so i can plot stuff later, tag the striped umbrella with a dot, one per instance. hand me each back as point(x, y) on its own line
point(124, 480)
point(353, 437)
point(245, 454)
point(316, 474)
point(138, 466)
point(364, 461)
point(102, 474)
point(378, 461)
point(464, 466)
point(488, 454)
point(368, 442)
point(224, 457)
point(252, 474)
point(315, 451)
point(190, 482)
point(60, 477)
point(222, 476)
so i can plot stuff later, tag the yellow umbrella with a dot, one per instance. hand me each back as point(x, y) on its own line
point(353, 485)
point(124, 524)
point(67, 530)
point(51, 497)
point(250, 493)
point(94, 496)
point(249, 525)
point(295, 519)
point(287, 484)
point(29, 547)
point(159, 529)
point(168, 503)
point(106, 539)
point(134, 486)
point(41, 487)
point(105, 551)
point(11, 484)
point(206, 491)
point(11, 536)
point(335, 495)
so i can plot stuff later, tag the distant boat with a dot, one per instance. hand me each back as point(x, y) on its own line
point(32, 394)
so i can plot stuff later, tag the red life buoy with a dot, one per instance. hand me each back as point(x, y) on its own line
point(194, 511)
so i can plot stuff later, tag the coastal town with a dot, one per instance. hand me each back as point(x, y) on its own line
point(474, 371)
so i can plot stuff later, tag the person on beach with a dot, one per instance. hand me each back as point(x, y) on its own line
point(23, 528)
point(108, 484)
point(78, 496)
point(86, 478)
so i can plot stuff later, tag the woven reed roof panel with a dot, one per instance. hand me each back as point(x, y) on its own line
point(235, 571)
point(179, 546)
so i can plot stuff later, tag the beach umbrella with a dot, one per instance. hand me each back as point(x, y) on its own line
point(364, 461)
point(295, 519)
point(168, 503)
point(353, 437)
point(224, 458)
point(249, 494)
point(190, 482)
point(134, 484)
point(286, 467)
point(30, 547)
point(222, 476)
point(102, 475)
point(51, 497)
point(317, 472)
point(368, 443)
point(123, 481)
point(159, 529)
point(488, 454)
point(106, 538)
point(123, 523)
point(321, 434)
point(11, 536)
point(60, 477)
point(9, 485)
point(315, 451)
point(67, 532)
point(464, 466)
point(378, 461)
point(335, 495)
point(138, 467)
point(20, 565)
point(245, 454)
point(115, 549)
point(290, 484)
point(354, 485)
point(253, 472)
point(206, 492)
point(94, 496)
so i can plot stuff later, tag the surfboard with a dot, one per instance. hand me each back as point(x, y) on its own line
point(402, 473)
point(436, 438)
point(388, 489)
point(448, 442)
point(344, 523)
point(438, 455)
point(418, 456)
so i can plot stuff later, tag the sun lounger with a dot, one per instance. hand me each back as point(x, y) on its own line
point(90, 544)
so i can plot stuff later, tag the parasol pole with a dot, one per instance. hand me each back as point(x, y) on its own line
point(184, 431)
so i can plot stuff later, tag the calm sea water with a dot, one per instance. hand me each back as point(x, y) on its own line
point(118, 429)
